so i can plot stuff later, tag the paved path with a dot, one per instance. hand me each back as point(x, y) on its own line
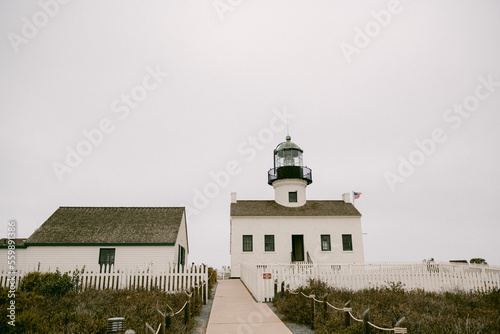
point(234, 311)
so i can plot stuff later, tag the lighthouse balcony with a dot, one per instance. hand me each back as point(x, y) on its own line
point(289, 172)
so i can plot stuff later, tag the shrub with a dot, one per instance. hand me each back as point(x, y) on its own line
point(425, 312)
point(88, 311)
point(49, 284)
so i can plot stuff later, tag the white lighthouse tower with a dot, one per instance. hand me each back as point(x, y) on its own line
point(289, 177)
point(291, 228)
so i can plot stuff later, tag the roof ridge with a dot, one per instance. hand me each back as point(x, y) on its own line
point(122, 207)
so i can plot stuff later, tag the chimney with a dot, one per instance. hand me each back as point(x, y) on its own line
point(346, 197)
point(233, 197)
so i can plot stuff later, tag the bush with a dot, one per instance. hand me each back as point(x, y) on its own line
point(49, 284)
point(88, 311)
point(424, 312)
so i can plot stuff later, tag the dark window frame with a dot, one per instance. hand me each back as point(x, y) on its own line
point(181, 256)
point(246, 244)
point(269, 243)
point(106, 259)
point(293, 197)
point(347, 242)
point(326, 238)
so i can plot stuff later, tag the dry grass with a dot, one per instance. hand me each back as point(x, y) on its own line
point(425, 312)
point(87, 312)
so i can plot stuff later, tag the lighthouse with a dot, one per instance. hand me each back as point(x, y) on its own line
point(289, 177)
point(292, 228)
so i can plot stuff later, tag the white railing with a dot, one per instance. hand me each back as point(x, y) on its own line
point(168, 278)
point(260, 279)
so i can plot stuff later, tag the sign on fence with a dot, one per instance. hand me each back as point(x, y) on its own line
point(266, 275)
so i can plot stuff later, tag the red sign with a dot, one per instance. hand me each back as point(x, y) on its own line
point(266, 275)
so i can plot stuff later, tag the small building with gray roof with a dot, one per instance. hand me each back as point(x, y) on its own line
point(97, 237)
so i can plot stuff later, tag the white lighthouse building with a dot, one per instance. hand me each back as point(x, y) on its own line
point(291, 228)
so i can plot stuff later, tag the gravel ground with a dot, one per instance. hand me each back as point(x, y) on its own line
point(202, 318)
point(294, 328)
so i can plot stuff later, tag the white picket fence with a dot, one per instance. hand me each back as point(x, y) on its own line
point(260, 279)
point(168, 278)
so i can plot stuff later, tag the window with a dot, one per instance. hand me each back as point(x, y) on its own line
point(247, 243)
point(292, 197)
point(347, 242)
point(325, 242)
point(106, 258)
point(181, 256)
point(269, 243)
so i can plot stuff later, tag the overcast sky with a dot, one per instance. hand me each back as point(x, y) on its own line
point(399, 101)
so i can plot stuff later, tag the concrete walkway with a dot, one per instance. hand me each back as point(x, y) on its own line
point(235, 312)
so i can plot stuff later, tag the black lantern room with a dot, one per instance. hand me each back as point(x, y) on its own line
point(288, 163)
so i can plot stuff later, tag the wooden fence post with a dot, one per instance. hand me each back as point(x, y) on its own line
point(275, 288)
point(161, 317)
point(205, 293)
point(283, 289)
point(347, 309)
point(325, 308)
point(366, 318)
point(192, 300)
point(313, 309)
point(187, 311)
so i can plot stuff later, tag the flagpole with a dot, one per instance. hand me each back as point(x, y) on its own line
point(353, 198)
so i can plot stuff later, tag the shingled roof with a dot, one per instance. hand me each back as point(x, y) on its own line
point(311, 208)
point(109, 226)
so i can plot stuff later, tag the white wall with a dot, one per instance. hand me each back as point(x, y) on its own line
point(182, 239)
point(283, 228)
point(20, 255)
point(69, 257)
point(283, 187)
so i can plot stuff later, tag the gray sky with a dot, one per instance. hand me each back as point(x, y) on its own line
point(362, 82)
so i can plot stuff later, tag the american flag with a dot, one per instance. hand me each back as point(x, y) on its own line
point(356, 195)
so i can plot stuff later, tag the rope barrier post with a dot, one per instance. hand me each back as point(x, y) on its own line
point(325, 308)
point(366, 318)
point(313, 309)
point(168, 321)
point(347, 317)
point(205, 294)
point(161, 318)
point(187, 311)
point(283, 289)
point(192, 299)
point(195, 299)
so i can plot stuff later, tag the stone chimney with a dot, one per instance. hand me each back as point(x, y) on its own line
point(346, 197)
point(233, 197)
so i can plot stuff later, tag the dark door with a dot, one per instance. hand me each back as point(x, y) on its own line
point(297, 248)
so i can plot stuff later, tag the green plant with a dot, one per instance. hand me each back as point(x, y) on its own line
point(478, 260)
point(425, 312)
point(50, 284)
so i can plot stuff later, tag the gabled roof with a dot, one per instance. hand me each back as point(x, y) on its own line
point(311, 208)
point(109, 226)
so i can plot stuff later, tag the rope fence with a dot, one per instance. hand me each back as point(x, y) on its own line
point(346, 309)
point(196, 297)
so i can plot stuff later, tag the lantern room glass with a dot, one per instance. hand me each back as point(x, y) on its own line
point(290, 157)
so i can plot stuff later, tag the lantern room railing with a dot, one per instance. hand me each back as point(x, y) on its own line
point(290, 172)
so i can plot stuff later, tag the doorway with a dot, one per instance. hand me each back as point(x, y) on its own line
point(297, 248)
